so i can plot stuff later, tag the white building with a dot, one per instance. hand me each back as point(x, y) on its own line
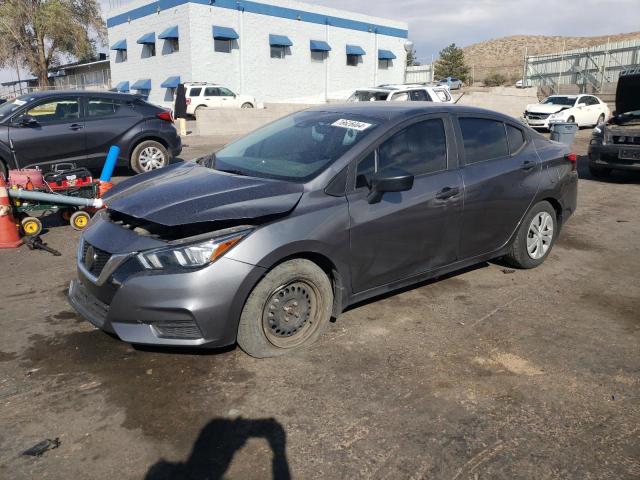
point(275, 50)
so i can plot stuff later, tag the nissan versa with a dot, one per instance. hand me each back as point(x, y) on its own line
point(263, 242)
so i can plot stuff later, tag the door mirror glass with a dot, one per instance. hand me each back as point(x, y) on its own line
point(391, 180)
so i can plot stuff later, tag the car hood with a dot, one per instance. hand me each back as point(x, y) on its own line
point(546, 108)
point(188, 193)
point(628, 93)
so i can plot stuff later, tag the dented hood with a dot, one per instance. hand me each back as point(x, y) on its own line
point(188, 193)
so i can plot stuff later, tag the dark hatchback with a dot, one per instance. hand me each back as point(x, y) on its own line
point(47, 128)
point(269, 238)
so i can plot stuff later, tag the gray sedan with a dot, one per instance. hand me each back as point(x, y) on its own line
point(262, 243)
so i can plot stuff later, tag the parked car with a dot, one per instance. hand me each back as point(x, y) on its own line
point(615, 145)
point(3, 100)
point(266, 240)
point(452, 82)
point(46, 128)
point(202, 94)
point(585, 110)
point(402, 93)
point(523, 84)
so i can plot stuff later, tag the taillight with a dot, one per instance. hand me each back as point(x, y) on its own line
point(166, 116)
point(188, 101)
point(573, 158)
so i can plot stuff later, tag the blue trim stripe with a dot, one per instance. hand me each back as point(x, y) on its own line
point(260, 9)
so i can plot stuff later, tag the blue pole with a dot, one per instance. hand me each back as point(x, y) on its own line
point(110, 164)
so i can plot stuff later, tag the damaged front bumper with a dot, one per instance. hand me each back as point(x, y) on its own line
point(198, 307)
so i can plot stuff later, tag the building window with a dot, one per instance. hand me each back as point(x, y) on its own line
point(318, 56)
point(385, 64)
point(222, 45)
point(121, 56)
point(148, 50)
point(278, 51)
point(171, 45)
point(353, 60)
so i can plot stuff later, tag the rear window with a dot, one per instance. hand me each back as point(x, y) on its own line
point(195, 92)
point(483, 139)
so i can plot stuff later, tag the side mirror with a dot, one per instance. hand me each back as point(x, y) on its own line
point(582, 105)
point(28, 121)
point(391, 180)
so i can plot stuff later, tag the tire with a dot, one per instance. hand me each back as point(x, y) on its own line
point(287, 310)
point(195, 112)
point(247, 105)
point(571, 119)
point(4, 171)
point(519, 254)
point(79, 220)
point(31, 226)
point(149, 155)
point(599, 172)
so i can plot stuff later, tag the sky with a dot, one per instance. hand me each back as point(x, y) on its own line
point(434, 24)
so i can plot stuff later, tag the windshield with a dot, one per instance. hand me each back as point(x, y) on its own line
point(296, 148)
point(11, 106)
point(566, 101)
point(367, 96)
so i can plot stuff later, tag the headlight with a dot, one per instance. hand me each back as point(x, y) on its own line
point(191, 255)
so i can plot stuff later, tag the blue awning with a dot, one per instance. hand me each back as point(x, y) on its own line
point(119, 45)
point(147, 38)
point(224, 33)
point(171, 82)
point(386, 55)
point(355, 50)
point(171, 32)
point(144, 84)
point(122, 87)
point(319, 46)
point(279, 41)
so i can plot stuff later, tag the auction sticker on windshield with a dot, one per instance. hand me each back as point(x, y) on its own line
point(351, 124)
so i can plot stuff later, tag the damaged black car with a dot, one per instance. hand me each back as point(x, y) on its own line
point(615, 145)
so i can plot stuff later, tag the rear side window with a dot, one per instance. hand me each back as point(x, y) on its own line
point(101, 107)
point(418, 149)
point(443, 95)
point(195, 92)
point(516, 139)
point(211, 92)
point(483, 139)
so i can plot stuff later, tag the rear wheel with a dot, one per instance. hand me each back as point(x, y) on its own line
point(79, 220)
point(247, 105)
point(599, 172)
point(571, 120)
point(535, 237)
point(31, 226)
point(287, 310)
point(149, 155)
point(198, 111)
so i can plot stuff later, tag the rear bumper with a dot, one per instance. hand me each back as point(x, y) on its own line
point(608, 156)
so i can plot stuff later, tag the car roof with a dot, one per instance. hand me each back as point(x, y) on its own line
point(389, 111)
point(79, 93)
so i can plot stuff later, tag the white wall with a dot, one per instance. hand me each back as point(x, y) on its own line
point(249, 68)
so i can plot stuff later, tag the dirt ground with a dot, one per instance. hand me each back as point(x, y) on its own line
point(488, 373)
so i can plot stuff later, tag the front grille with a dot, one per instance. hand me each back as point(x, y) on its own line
point(177, 329)
point(537, 116)
point(98, 260)
point(626, 140)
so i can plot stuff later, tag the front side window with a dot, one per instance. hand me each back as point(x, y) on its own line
point(400, 97)
point(296, 148)
point(225, 92)
point(195, 92)
point(222, 46)
point(58, 110)
point(483, 139)
point(101, 107)
point(353, 60)
point(418, 150)
point(277, 51)
point(419, 96)
point(211, 92)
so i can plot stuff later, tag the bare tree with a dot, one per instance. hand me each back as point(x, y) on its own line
point(40, 34)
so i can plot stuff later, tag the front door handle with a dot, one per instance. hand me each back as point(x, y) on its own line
point(447, 192)
point(75, 126)
point(528, 165)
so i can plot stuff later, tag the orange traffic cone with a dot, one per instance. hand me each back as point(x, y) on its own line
point(9, 237)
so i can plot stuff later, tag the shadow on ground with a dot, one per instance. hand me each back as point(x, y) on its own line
point(216, 445)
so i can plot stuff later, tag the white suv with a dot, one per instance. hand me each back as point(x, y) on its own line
point(402, 93)
point(202, 94)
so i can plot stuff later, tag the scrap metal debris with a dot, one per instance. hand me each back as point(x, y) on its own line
point(36, 243)
point(508, 270)
point(39, 448)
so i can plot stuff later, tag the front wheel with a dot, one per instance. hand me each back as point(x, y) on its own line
point(247, 105)
point(287, 310)
point(571, 120)
point(149, 155)
point(535, 237)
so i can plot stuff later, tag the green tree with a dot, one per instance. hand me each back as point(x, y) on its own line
point(412, 58)
point(40, 34)
point(451, 64)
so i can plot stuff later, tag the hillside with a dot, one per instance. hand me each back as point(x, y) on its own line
point(505, 54)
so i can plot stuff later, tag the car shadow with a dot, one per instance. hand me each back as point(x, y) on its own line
point(216, 446)
point(617, 176)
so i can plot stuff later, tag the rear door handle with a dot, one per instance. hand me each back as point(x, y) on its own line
point(75, 126)
point(528, 165)
point(447, 192)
